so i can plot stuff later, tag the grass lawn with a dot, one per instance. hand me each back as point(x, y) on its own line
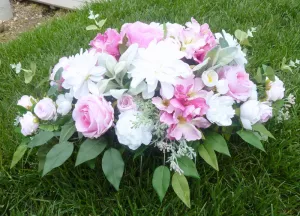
point(249, 183)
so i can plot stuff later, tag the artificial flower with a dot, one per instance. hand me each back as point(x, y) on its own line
point(126, 102)
point(45, 109)
point(26, 101)
point(29, 124)
point(64, 103)
point(275, 89)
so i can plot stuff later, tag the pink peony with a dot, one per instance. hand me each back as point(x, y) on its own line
point(142, 33)
point(125, 103)
point(45, 109)
point(108, 42)
point(93, 115)
point(240, 86)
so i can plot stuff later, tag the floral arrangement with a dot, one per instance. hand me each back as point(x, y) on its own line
point(181, 89)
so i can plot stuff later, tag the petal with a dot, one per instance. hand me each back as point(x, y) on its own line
point(167, 118)
point(167, 90)
point(201, 122)
point(246, 124)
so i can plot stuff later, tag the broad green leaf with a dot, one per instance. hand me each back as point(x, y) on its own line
point(226, 55)
point(33, 68)
point(223, 42)
point(161, 181)
point(240, 35)
point(57, 156)
point(286, 68)
point(58, 74)
point(198, 69)
point(22, 110)
point(209, 156)
point(90, 149)
point(119, 67)
point(213, 55)
point(101, 23)
point(52, 90)
point(67, 131)
point(258, 76)
point(217, 142)
point(19, 153)
point(249, 137)
point(113, 166)
point(41, 154)
point(41, 138)
point(91, 27)
point(269, 72)
point(261, 129)
point(188, 167)
point(48, 127)
point(181, 187)
point(28, 75)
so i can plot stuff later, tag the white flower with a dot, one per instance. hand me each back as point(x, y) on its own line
point(210, 78)
point(64, 103)
point(220, 110)
point(291, 99)
point(130, 135)
point(222, 86)
point(83, 74)
point(29, 124)
point(250, 113)
point(26, 101)
point(253, 95)
point(265, 111)
point(160, 62)
point(63, 63)
point(240, 57)
point(250, 31)
point(17, 67)
point(297, 61)
point(45, 109)
point(92, 16)
point(275, 89)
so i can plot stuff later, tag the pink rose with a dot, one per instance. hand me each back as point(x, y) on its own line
point(108, 42)
point(210, 42)
point(29, 124)
point(126, 102)
point(26, 101)
point(45, 109)
point(142, 33)
point(239, 84)
point(266, 112)
point(93, 115)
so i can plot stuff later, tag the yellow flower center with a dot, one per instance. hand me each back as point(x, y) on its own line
point(181, 119)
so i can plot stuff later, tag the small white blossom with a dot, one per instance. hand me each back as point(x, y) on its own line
point(17, 67)
point(17, 121)
point(291, 99)
point(92, 16)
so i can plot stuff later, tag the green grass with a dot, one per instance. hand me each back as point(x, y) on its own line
point(249, 183)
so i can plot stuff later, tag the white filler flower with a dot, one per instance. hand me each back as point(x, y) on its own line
point(160, 62)
point(130, 134)
point(83, 75)
point(220, 110)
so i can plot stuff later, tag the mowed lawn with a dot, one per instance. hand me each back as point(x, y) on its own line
point(249, 183)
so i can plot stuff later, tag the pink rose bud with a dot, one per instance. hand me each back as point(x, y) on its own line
point(126, 102)
point(276, 90)
point(142, 33)
point(93, 115)
point(108, 42)
point(26, 101)
point(45, 109)
point(29, 124)
point(265, 112)
point(239, 84)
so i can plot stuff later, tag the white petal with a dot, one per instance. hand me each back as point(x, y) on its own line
point(167, 90)
point(117, 93)
point(246, 124)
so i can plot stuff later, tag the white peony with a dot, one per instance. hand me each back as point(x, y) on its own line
point(250, 113)
point(275, 89)
point(64, 103)
point(130, 135)
point(45, 109)
point(29, 124)
point(210, 78)
point(220, 110)
point(240, 57)
point(26, 101)
point(83, 74)
point(160, 62)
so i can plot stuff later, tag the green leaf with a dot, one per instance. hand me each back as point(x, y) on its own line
point(261, 129)
point(57, 156)
point(181, 187)
point(240, 35)
point(217, 142)
point(28, 75)
point(19, 153)
point(41, 154)
point(113, 166)
point(91, 27)
point(213, 55)
point(48, 127)
point(249, 137)
point(91, 163)
point(161, 181)
point(22, 110)
point(67, 131)
point(58, 74)
point(226, 55)
point(101, 23)
point(223, 42)
point(286, 68)
point(277, 105)
point(209, 156)
point(52, 90)
point(188, 167)
point(90, 149)
point(269, 72)
point(140, 151)
point(41, 138)
point(165, 30)
point(258, 76)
